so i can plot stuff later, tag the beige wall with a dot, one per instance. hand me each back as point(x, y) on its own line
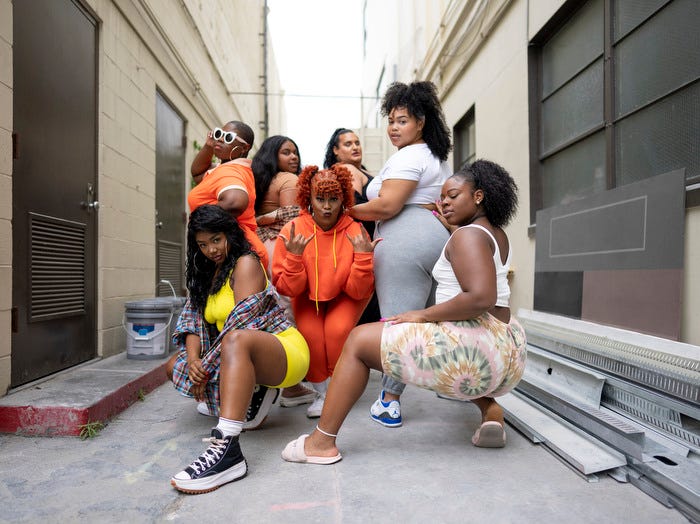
point(485, 65)
point(5, 190)
point(495, 83)
point(199, 55)
point(196, 58)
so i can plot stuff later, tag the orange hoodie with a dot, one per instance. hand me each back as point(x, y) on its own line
point(327, 267)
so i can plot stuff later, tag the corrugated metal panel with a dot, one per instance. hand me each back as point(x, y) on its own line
point(57, 267)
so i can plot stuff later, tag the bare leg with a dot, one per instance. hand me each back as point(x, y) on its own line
point(247, 358)
point(170, 365)
point(297, 390)
point(388, 397)
point(361, 353)
point(490, 410)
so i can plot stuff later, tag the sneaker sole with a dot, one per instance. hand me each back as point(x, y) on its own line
point(391, 424)
point(290, 402)
point(207, 484)
point(267, 402)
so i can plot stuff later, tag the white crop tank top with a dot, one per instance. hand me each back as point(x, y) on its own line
point(448, 285)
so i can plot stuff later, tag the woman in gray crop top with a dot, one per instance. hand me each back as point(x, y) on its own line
point(465, 347)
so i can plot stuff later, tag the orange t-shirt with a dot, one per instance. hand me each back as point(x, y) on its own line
point(231, 175)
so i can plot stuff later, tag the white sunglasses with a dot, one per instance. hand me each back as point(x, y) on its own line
point(227, 136)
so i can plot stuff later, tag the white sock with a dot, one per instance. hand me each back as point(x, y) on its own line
point(229, 427)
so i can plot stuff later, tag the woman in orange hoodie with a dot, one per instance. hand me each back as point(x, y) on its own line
point(323, 261)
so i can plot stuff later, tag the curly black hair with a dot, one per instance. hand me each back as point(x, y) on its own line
point(200, 270)
point(500, 190)
point(421, 101)
point(330, 157)
point(265, 166)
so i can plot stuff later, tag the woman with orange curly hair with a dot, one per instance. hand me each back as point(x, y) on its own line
point(323, 261)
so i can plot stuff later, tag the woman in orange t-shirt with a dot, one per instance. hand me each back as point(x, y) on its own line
point(230, 184)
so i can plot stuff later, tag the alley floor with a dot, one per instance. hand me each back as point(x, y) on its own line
point(426, 471)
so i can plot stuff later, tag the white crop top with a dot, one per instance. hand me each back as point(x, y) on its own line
point(448, 285)
point(417, 163)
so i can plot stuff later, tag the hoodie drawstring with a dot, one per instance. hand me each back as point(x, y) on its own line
point(316, 267)
point(335, 262)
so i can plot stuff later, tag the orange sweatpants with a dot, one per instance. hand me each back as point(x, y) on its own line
point(326, 331)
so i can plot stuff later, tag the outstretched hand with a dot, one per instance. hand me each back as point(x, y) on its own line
point(362, 243)
point(295, 243)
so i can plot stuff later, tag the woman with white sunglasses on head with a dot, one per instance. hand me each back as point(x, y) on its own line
point(230, 184)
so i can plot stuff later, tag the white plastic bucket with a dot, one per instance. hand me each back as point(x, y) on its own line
point(147, 324)
point(176, 304)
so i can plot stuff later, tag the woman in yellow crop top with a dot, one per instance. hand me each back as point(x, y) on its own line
point(232, 335)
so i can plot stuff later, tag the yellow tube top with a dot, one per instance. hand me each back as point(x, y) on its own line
point(220, 304)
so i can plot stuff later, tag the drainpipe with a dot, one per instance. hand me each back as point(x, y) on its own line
point(266, 116)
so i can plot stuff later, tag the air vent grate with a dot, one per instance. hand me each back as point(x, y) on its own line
point(57, 267)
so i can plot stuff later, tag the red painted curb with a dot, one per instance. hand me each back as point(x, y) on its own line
point(53, 421)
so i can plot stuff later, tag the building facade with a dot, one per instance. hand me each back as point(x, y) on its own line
point(593, 106)
point(103, 105)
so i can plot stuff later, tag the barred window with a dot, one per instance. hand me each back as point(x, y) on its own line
point(464, 134)
point(615, 97)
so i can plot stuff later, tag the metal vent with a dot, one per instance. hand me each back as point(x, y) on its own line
point(57, 267)
point(169, 266)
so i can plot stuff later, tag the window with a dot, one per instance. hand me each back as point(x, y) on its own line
point(616, 97)
point(464, 141)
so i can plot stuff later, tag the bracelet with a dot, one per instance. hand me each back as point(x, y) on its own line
point(326, 434)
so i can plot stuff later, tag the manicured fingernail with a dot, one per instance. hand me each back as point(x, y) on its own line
point(382, 320)
point(435, 212)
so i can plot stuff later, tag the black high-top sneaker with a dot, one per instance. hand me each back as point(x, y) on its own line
point(260, 404)
point(221, 462)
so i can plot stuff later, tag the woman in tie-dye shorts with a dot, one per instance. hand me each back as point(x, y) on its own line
point(467, 346)
point(463, 360)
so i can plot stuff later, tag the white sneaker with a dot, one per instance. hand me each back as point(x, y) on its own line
point(314, 410)
point(306, 398)
point(387, 414)
point(203, 409)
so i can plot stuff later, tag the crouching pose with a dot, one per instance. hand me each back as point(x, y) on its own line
point(467, 346)
point(232, 304)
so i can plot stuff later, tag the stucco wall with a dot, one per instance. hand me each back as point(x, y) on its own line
point(495, 83)
point(493, 77)
point(199, 55)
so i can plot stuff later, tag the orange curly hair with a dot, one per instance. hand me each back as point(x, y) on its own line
point(335, 181)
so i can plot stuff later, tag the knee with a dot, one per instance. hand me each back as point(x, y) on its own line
point(353, 342)
point(233, 344)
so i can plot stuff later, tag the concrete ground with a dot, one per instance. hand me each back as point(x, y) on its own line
point(426, 471)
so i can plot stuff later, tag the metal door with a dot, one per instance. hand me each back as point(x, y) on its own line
point(170, 197)
point(53, 187)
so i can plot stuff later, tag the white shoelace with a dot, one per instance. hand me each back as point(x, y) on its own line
point(212, 454)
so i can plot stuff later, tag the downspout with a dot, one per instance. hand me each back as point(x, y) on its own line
point(266, 116)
